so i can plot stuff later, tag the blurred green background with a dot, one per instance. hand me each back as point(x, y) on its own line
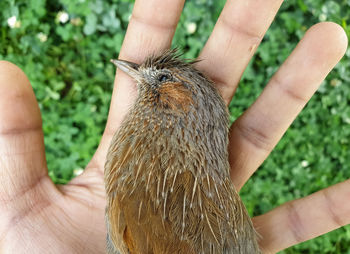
point(64, 47)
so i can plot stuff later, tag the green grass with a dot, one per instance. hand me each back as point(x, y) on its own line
point(72, 79)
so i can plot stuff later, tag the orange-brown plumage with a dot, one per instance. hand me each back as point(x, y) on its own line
point(167, 173)
point(175, 96)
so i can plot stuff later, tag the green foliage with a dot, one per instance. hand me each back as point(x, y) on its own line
point(68, 66)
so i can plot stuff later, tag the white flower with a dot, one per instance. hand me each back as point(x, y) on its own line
point(13, 22)
point(78, 171)
point(191, 27)
point(304, 163)
point(322, 17)
point(62, 16)
point(42, 37)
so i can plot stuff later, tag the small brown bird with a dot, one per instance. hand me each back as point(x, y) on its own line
point(167, 172)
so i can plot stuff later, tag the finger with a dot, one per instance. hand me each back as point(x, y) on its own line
point(304, 219)
point(22, 157)
point(234, 40)
point(257, 131)
point(151, 29)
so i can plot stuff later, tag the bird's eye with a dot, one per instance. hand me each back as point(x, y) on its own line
point(163, 77)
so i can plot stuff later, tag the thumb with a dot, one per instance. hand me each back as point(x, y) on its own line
point(22, 152)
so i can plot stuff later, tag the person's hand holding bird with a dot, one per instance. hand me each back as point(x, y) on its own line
point(39, 217)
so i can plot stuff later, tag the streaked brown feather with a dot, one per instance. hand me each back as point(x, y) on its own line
point(129, 241)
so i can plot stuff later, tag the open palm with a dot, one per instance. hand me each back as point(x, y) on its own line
point(39, 217)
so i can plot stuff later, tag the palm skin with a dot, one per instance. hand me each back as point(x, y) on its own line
point(39, 217)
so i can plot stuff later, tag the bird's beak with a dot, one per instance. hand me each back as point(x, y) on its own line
point(128, 67)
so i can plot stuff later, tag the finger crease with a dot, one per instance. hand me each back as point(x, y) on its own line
point(330, 205)
point(33, 207)
point(84, 202)
point(36, 208)
point(97, 175)
point(24, 191)
point(254, 136)
point(13, 154)
point(289, 92)
point(219, 82)
point(295, 223)
point(152, 24)
point(245, 32)
point(20, 131)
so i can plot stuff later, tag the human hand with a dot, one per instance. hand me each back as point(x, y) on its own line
point(39, 217)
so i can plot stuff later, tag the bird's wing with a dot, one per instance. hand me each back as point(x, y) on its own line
point(116, 229)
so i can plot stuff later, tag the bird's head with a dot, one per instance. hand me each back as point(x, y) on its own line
point(166, 81)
